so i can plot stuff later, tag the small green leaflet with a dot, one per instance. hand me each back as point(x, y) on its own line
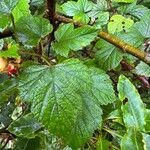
point(98, 8)
point(143, 69)
point(75, 9)
point(124, 1)
point(68, 38)
point(144, 25)
point(25, 126)
point(119, 23)
point(102, 19)
point(133, 110)
point(4, 22)
point(21, 9)
point(66, 98)
point(6, 6)
point(31, 29)
point(108, 56)
point(12, 52)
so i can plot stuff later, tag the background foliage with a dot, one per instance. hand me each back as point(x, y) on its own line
point(62, 87)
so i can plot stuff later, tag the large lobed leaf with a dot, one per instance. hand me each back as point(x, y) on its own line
point(66, 98)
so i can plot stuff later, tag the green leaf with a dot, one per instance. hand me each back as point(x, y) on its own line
point(133, 110)
point(124, 1)
point(132, 140)
point(116, 116)
point(31, 29)
point(98, 8)
point(108, 56)
point(132, 36)
point(1, 44)
point(147, 119)
point(146, 141)
point(4, 22)
point(143, 69)
point(28, 144)
point(12, 52)
point(143, 25)
point(81, 17)
point(6, 112)
point(71, 106)
point(136, 10)
point(75, 9)
point(119, 23)
point(6, 6)
point(21, 9)
point(68, 38)
point(25, 127)
point(102, 144)
point(102, 19)
point(7, 88)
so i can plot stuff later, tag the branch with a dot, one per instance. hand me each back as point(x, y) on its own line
point(51, 10)
point(125, 47)
point(44, 58)
point(6, 33)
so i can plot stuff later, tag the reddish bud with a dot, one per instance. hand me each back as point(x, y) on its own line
point(11, 70)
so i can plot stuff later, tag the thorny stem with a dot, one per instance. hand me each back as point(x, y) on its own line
point(43, 57)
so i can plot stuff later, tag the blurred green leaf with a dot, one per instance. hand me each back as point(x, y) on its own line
point(21, 9)
point(6, 6)
point(102, 144)
point(132, 140)
point(12, 52)
point(25, 126)
point(133, 110)
point(143, 69)
point(143, 25)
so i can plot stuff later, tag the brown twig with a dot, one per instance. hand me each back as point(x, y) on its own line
point(125, 47)
point(6, 33)
point(43, 57)
point(51, 10)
